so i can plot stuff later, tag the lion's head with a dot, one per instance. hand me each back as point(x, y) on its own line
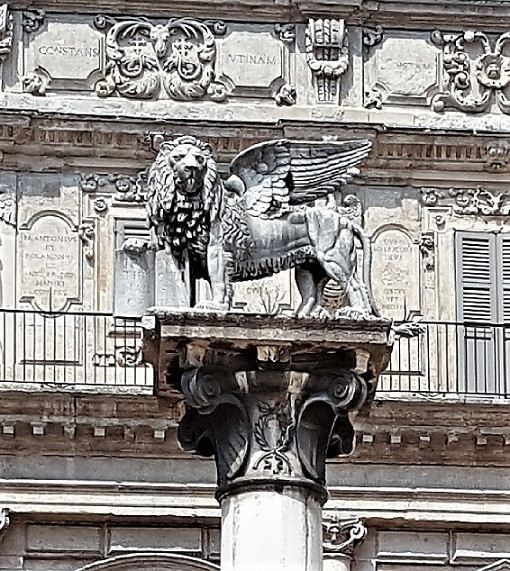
point(184, 195)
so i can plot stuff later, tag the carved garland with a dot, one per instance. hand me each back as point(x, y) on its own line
point(472, 83)
point(142, 59)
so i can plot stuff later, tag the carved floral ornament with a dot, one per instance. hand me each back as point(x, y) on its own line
point(471, 201)
point(476, 71)
point(144, 59)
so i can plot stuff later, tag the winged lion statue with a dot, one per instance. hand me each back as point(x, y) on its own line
point(262, 219)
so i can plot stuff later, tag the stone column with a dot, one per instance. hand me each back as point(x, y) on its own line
point(341, 536)
point(270, 399)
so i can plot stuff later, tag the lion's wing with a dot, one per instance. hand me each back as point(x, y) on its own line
point(284, 172)
point(264, 169)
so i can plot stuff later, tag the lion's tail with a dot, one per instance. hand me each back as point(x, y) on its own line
point(367, 264)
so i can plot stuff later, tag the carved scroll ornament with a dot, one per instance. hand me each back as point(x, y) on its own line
point(476, 71)
point(286, 434)
point(144, 60)
point(342, 535)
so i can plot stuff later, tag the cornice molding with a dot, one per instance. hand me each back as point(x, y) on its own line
point(398, 157)
point(419, 13)
point(96, 501)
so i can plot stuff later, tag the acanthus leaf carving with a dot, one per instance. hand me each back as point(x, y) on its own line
point(6, 31)
point(286, 32)
point(372, 36)
point(473, 82)
point(33, 20)
point(35, 82)
point(144, 59)
point(327, 55)
point(286, 95)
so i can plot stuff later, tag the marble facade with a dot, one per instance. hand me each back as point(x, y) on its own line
point(87, 95)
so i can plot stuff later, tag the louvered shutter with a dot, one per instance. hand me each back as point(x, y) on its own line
point(504, 278)
point(477, 277)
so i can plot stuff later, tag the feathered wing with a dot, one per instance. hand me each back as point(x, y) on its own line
point(280, 173)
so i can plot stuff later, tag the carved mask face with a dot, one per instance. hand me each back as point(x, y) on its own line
point(189, 164)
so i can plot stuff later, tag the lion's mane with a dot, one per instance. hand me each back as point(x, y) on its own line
point(182, 223)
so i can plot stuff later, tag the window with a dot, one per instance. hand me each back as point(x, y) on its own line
point(483, 309)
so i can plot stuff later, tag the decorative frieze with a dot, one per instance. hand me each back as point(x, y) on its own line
point(145, 60)
point(471, 201)
point(327, 55)
point(476, 71)
point(125, 188)
point(497, 155)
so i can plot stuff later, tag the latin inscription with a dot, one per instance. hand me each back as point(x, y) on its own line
point(396, 263)
point(72, 51)
point(49, 256)
point(251, 59)
point(65, 51)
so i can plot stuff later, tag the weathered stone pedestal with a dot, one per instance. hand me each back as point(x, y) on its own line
point(270, 398)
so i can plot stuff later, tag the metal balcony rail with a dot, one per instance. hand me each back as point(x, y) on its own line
point(79, 352)
point(462, 359)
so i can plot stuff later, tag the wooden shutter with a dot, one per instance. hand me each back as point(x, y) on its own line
point(504, 278)
point(477, 276)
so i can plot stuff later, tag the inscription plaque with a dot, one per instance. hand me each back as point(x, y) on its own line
point(401, 69)
point(49, 258)
point(251, 59)
point(396, 262)
point(65, 51)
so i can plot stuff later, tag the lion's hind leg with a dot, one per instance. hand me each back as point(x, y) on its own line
point(310, 280)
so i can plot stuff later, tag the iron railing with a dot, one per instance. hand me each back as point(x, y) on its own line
point(468, 359)
point(90, 352)
point(99, 352)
